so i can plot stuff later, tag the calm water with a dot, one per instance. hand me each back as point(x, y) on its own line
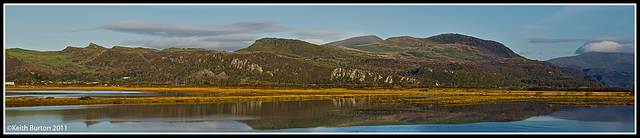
point(326, 116)
point(97, 94)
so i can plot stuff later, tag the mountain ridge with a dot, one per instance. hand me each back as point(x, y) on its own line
point(444, 47)
point(499, 48)
point(398, 61)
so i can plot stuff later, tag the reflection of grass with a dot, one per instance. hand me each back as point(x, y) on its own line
point(446, 96)
point(227, 95)
point(562, 100)
point(19, 102)
point(552, 97)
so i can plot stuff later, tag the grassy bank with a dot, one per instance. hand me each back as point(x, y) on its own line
point(446, 96)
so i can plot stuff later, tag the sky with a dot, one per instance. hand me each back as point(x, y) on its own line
point(535, 31)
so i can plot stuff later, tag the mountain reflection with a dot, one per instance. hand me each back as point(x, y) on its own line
point(311, 114)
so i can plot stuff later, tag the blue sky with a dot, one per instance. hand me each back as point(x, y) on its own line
point(539, 32)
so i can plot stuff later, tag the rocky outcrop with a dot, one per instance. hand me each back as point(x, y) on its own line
point(367, 76)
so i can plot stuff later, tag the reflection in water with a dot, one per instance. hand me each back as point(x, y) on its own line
point(217, 126)
point(610, 114)
point(288, 115)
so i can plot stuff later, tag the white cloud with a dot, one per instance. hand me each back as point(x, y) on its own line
point(597, 44)
point(222, 43)
point(240, 27)
point(218, 37)
point(180, 30)
point(621, 40)
point(606, 46)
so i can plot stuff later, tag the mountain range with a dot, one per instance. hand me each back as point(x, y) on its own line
point(447, 60)
point(613, 69)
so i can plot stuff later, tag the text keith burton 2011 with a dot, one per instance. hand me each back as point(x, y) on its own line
point(25, 128)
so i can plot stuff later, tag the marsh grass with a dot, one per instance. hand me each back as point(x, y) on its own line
point(441, 96)
point(560, 100)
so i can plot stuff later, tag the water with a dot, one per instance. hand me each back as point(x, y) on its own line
point(98, 94)
point(323, 116)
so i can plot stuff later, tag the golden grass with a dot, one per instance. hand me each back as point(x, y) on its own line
point(560, 100)
point(223, 91)
point(446, 96)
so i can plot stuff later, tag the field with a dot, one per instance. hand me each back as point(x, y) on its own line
point(443, 96)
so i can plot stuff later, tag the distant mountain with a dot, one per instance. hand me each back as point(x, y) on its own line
point(444, 47)
point(450, 60)
point(491, 47)
point(620, 62)
point(614, 69)
point(354, 41)
point(612, 78)
point(296, 48)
